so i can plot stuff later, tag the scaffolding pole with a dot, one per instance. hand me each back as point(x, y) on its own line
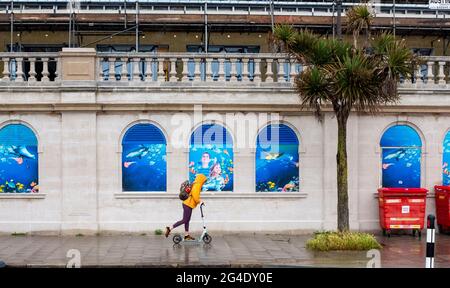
point(206, 26)
point(12, 26)
point(137, 26)
point(272, 21)
point(394, 18)
point(333, 20)
point(339, 19)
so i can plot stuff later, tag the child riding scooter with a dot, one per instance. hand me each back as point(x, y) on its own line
point(188, 205)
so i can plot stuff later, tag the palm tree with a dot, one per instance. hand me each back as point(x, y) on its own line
point(347, 79)
point(359, 18)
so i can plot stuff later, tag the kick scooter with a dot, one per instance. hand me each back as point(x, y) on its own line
point(205, 237)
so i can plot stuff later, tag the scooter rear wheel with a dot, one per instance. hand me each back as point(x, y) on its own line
point(207, 239)
point(177, 239)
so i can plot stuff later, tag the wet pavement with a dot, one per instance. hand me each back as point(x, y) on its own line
point(229, 250)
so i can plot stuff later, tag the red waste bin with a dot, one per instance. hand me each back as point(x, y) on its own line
point(402, 208)
point(442, 196)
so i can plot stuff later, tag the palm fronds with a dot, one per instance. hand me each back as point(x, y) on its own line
point(359, 18)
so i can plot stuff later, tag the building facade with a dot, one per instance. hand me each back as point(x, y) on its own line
point(98, 139)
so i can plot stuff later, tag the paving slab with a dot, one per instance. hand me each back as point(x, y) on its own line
point(227, 250)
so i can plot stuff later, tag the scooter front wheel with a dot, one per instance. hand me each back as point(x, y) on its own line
point(207, 239)
point(177, 239)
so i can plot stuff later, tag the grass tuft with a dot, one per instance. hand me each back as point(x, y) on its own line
point(18, 234)
point(329, 241)
point(158, 232)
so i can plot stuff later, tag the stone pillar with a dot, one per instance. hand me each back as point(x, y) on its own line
point(78, 64)
point(79, 172)
point(78, 68)
point(244, 170)
point(79, 144)
point(353, 157)
point(177, 168)
point(329, 197)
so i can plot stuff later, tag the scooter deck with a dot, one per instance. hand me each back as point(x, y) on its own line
point(191, 241)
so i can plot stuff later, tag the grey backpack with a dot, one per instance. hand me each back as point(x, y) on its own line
point(185, 190)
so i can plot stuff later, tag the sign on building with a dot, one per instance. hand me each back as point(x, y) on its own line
point(439, 4)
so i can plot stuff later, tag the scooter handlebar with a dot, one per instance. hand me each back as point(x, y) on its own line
point(201, 208)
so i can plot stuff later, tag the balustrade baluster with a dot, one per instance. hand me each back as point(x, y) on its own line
point(32, 73)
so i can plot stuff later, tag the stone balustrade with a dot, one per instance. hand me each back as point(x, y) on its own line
point(29, 67)
point(180, 68)
point(196, 67)
point(433, 70)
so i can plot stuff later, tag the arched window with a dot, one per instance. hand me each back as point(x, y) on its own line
point(446, 160)
point(144, 159)
point(211, 154)
point(18, 160)
point(277, 159)
point(401, 149)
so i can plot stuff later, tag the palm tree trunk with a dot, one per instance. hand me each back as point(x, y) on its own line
point(367, 36)
point(342, 174)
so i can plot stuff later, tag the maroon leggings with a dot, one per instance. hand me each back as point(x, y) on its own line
point(187, 212)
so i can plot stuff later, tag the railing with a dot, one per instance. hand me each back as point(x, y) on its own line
point(433, 70)
point(29, 67)
point(194, 67)
point(228, 7)
point(181, 68)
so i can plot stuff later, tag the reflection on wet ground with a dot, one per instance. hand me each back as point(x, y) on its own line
point(235, 250)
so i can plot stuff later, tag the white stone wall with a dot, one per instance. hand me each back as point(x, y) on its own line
point(80, 166)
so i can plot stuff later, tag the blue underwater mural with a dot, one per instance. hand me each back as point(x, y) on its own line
point(446, 160)
point(277, 159)
point(18, 160)
point(401, 154)
point(144, 159)
point(211, 154)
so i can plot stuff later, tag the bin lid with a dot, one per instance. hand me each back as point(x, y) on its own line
point(402, 191)
point(443, 188)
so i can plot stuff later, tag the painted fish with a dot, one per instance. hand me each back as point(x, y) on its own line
point(19, 186)
point(10, 184)
point(272, 156)
point(289, 186)
point(18, 152)
point(24, 153)
point(128, 164)
point(140, 152)
point(227, 179)
point(397, 155)
point(387, 165)
point(19, 160)
point(35, 189)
